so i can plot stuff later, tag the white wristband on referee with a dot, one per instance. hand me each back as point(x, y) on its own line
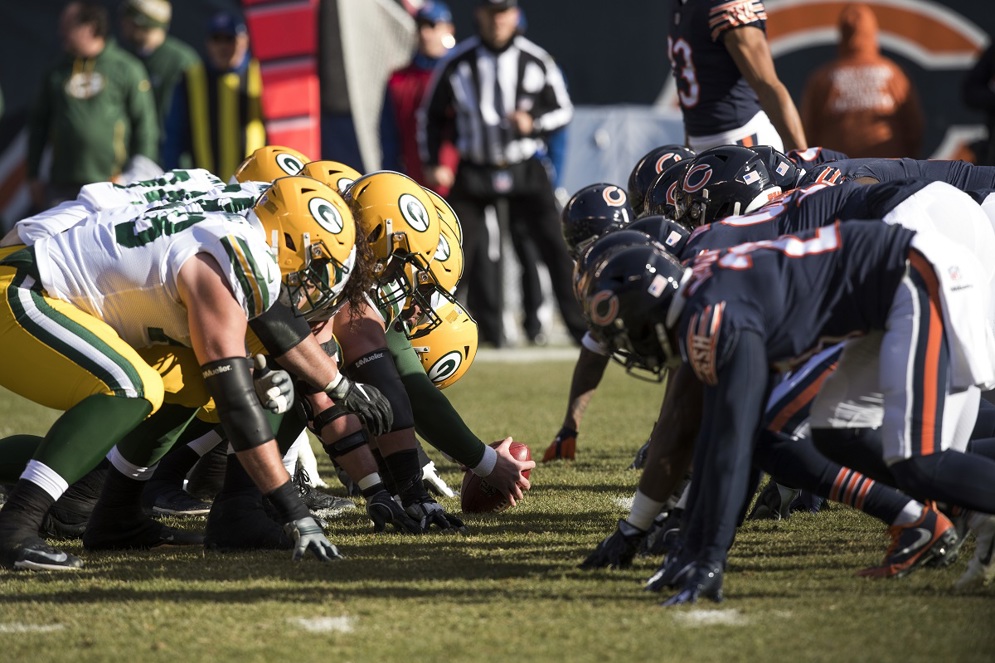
point(487, 463)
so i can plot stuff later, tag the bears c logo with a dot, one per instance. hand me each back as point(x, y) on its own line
point(414, 212)
point(604, 307)
point(697, 177)
point(326, 215)
point(289, 164)
point(445, 367)
point(614, 196)
point(668, 159)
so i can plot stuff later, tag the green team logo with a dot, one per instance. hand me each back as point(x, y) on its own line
point(289, 164)
point(326, 215)
point(442, 252)
point(414, 212)
point(445, 367)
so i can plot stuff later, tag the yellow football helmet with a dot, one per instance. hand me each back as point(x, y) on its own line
point(447, 350)
point(435, 286)
point(312, 234)
point(270, 162)
point(447, 214)
point(401, 227)
point(336, 175)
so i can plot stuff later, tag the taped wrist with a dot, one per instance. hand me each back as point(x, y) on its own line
point(280, 329)
point(341, 447)
point(378, 369)
point(288, 503)
point(230, 382)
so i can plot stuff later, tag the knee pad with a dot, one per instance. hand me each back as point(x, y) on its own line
point(346, 444)
point(378, 369)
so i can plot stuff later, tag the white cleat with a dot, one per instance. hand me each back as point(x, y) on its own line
point(981, 567)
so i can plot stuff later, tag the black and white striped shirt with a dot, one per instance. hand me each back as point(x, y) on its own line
point(477, 89)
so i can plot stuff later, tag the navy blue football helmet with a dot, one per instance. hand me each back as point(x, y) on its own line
point(723, 181)
point(593, 211)
point(649, 167)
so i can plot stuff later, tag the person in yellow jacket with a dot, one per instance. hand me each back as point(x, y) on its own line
point(215, 120)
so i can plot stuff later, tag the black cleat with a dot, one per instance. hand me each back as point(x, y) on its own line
point(33, 554)
point(111, 529)
point(322, 505)
point(703, 581)
point(166, 499)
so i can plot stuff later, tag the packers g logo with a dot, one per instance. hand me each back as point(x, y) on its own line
point(614, 196)
point(604, 308)
point(326, 215)
point(445, 367)
point(442, 251)
point(343, 184)
point(414, 212)
point(289, 164)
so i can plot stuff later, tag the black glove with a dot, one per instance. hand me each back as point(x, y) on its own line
point(663, 533)
point(275, 389)
point(704, 580)
point(618, 548)
point(366, 402)
point(383, 511)
point(307, 535)
point(428, 512)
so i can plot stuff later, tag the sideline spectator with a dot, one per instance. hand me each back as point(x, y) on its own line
point(95, 110)
point(216, 115)
point(404, 93)
point(516, 98)
point(862, 103)
point(726, 82)
point(144, 24)
point(979, 93)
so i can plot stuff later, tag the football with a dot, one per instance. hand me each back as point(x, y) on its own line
point(478, 496)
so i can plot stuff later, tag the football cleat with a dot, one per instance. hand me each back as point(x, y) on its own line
point(932, 535)
point(704, 579)
point(120, 529)
point(322, 505)
point(171, 500)
point(774, 502)
point(639, 462)
point(33, 554)
point(563, 447)
point(672, 572)
point(663, 535)
point(981, 567)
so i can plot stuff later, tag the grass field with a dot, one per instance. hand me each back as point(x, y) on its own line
point(511, 591)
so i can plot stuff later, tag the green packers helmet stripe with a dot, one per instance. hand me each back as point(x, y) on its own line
point(71, 339)
point(250, 276)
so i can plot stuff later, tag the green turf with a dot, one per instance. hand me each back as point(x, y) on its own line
point(509, 592)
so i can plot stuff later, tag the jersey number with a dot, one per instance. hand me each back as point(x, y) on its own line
point(682, 65)
point(826, 240)
point(154, 226)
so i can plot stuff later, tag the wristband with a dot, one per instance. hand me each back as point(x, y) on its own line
point(288, 503)
point(487, 463)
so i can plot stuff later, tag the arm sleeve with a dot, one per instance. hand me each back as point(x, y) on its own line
point(434, 115)
point(436, 420)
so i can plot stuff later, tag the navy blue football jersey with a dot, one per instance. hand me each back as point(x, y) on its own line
point(961, 174)
point(714, 96)
point(803, 209)
point(798, 293)
point(814, 156)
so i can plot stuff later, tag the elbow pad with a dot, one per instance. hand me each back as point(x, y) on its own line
point(230, 382)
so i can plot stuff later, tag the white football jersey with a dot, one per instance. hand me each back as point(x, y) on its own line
point(174, 186)
point(122, 267)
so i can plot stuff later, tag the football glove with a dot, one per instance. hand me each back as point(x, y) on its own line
point(275, 389)
point(663, 533)
point(307, 535)
point(366, 402)
point(703, 580)
point(428, 512)
point(383, 511)
point(563, 447)
point(617, 550)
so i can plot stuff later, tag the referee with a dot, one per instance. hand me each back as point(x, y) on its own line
point(497, 95)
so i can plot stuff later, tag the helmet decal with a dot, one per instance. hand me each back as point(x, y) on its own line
point(604, 307)
point(443, 251)
point(697, 177)
point(326, 215)
point(343, 184)
point(288, 163)
point(414, 212)
point(666, 160)
point(446, 366)
point(670, 192)
point(614, 196)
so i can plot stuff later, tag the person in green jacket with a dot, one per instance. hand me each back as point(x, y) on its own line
point(95, 110)
point(144, 26)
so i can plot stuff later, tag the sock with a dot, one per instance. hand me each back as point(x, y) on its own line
point(370, 485)
point(405, 472)
point(643, 511)
point(911, 512)
point(24, 510)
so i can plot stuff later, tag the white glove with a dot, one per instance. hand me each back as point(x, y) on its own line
point(275, 389)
